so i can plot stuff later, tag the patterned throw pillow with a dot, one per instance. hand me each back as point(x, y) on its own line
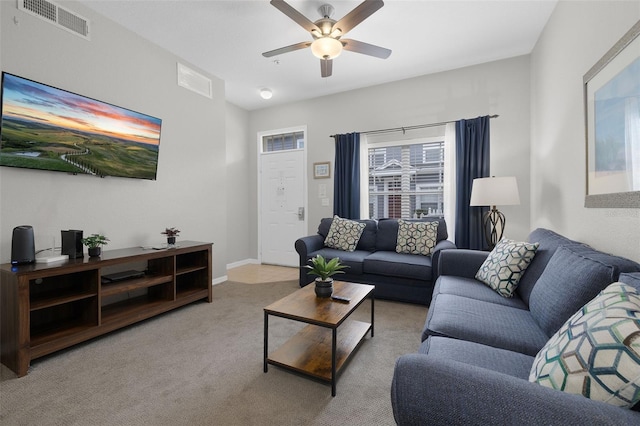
point(505, 265)
point(416, 237)
point(344, 234)
point(596, 353)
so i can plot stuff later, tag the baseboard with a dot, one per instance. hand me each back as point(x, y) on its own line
point(219, 280)
point(242, 263)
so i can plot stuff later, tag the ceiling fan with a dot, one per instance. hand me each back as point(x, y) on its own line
point(327, 43)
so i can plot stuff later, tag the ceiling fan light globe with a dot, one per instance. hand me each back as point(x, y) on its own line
point(326, 48)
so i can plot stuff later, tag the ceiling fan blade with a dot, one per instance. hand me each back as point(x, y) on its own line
point(326, 67)
point(298, 17)
point(287, 49)
point(357, 15)
point(365, 48)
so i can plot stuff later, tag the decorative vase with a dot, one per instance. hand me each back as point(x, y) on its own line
point(171, 242)
point(324, 288)
point(95, 251)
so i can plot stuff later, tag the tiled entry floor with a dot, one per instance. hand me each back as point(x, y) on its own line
point(258, 274)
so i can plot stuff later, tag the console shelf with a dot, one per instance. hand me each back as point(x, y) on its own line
point(41, 341)
point(59, 300)
point(111, 289)
point(187, 270)
point(45, 308)
point(139, 308)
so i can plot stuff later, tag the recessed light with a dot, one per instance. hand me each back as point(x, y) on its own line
point(266, 93)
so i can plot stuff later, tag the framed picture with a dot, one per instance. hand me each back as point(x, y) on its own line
point(322, 170)
point(612, 109)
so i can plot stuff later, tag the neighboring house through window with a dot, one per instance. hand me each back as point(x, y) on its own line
point(406, 179)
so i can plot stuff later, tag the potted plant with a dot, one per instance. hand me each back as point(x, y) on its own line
point(324, 271)
point(94, 243)
point(171, 234)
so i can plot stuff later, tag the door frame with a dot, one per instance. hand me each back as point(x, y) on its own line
point(259, 136)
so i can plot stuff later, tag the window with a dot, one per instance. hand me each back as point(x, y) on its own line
point(406, 181)
point(283, 142)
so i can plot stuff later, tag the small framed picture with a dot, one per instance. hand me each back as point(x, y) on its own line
point(322, 170)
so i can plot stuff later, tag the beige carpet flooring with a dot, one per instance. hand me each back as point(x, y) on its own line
point(202, 365)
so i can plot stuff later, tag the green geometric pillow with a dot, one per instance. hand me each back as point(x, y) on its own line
point(596, 353)
point(505, 265)
point(416, 237)
point(344, 234)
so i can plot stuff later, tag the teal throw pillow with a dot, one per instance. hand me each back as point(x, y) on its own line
point(416, 237)
point(344, 234)
point(596, 353)
point(504, 266)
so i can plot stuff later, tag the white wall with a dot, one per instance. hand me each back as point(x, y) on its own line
point(500, 87)
point(575, 38)
point(209, 146)
point(118, 67)
point(239, 214)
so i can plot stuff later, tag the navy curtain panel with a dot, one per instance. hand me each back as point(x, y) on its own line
point(472, 161)
point(346, 182)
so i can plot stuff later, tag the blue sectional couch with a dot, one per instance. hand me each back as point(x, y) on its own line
point(478, 347)
point(397, 276)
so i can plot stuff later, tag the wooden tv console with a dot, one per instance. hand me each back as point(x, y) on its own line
point(49, 307)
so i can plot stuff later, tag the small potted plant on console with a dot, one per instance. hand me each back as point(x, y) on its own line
point(171, 234)
point(94, 243)
point(324, 271)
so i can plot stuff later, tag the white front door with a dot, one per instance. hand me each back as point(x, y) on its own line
point(283, 218)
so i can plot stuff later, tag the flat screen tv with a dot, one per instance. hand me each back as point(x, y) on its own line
point(47, 128)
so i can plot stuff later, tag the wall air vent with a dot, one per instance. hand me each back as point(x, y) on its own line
point(57, 15)
point(192, 80)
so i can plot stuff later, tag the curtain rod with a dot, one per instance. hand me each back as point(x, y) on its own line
point(404, 129)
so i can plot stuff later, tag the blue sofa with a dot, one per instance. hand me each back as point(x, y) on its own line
point(397, 276)
point(479, 347)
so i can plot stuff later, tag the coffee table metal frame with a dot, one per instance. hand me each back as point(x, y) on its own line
point(303, 352)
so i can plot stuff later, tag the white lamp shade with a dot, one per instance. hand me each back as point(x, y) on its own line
point(326, 48)
point(495, 191)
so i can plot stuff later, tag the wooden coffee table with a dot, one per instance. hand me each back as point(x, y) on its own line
point(319, 350)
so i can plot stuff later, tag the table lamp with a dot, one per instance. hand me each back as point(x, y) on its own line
point(494, 191)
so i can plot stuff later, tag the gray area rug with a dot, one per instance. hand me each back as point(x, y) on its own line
point(202, 365)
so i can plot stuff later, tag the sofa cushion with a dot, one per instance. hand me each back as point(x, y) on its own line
point(486, 323)
point(353, 259)
point(416, 237)
point(569, 281)
point(367, 239)
point(504, 266)
point(344, 234)
point(392, 264)
point(474, 289)
point(387, 236)
point(549, 242)
point(596, 353)
point(633, 279)
point(507, 362)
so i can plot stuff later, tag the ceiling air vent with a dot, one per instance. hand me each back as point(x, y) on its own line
point(57, 15)
point(192, 80)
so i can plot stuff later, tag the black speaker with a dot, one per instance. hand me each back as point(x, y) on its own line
point(72, 243)
point(23, 247)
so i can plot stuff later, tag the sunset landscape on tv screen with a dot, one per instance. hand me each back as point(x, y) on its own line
point(52, 129)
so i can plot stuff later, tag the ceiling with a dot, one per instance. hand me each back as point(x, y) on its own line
point(227, 38)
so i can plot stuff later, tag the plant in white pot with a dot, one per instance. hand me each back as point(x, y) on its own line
point(94, 243)
point(324, 271)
